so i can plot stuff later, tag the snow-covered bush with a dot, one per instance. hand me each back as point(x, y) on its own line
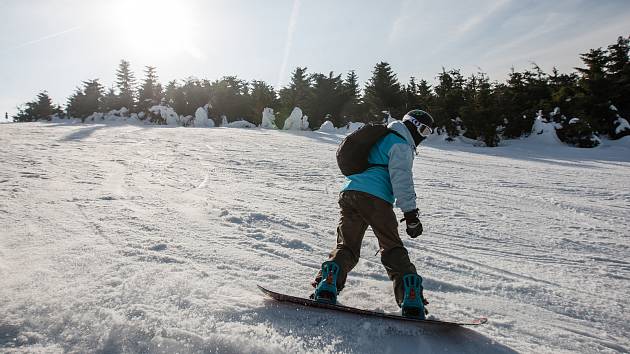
point(621, 127)
point(579, 133)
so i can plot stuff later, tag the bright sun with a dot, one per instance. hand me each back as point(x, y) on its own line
point(157, 27)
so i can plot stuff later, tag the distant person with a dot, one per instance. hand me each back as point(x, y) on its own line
point(367, 200)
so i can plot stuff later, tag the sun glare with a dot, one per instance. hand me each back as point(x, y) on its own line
point(157, 27)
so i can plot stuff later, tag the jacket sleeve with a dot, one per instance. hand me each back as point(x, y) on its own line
point(401, 175)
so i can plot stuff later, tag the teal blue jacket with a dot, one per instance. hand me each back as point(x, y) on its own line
point(394, 183)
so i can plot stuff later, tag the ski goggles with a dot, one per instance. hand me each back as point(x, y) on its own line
point(423, 129)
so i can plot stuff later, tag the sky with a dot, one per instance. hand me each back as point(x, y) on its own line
point(54, 45)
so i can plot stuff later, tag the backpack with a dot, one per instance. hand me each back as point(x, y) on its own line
point(352, 153)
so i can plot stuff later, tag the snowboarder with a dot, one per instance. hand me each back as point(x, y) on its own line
point(367, 199)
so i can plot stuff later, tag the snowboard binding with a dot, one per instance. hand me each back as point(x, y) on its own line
point(413, 301)
point(326, 290)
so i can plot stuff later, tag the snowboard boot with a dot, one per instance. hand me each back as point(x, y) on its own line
point(326, 290)
point(413, 301)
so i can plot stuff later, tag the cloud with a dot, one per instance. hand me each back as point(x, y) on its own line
point(442, 24)
point(47, 37)
point(289, 42)
point(479, 18)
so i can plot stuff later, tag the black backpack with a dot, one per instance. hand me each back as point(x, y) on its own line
point(352, 154)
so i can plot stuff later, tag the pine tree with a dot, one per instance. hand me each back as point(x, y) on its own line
point(150, 92)
point(352, 107)
point(192, 95)
point(229, 97)
point(418, 95)
point(75, 102)
point(41, 108)
point(564, 94)
point(86, 101)
point(449, 100)
point(479, 113)
point(425, 95)
point(327, 99)
point(597, 89)
point(125, 81)
point(174, 97)
point(110, 100)
point(519, 100)
point(411, 94)
point(619, 74)
point(383, 93)
point(297, 94)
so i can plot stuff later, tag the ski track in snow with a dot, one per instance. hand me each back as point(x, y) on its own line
point(132, 239)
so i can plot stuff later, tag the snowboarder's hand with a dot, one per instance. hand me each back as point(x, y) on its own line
point(414, 226)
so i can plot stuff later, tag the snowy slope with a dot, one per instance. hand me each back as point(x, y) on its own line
point(147, 239)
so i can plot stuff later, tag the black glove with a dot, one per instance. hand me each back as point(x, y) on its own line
point(414, 226)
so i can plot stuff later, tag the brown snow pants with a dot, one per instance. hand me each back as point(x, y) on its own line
point(358, 211)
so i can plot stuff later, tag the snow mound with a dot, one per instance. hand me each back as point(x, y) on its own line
point(296, 120)
point(328, 127)
point(201, 117)
point(354, 126)
point(239, 124)
point(621, 125)
point(544, 133)
point(167, 113)
point(268, 119)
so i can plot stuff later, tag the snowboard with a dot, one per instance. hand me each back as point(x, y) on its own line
point(312, 303)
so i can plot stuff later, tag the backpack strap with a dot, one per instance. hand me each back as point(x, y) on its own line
point(382, 165)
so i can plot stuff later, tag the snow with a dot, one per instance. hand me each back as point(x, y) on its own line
point(127, 238)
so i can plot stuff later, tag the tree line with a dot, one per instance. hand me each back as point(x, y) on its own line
point(473, 106)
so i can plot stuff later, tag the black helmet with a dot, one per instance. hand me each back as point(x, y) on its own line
point(420, 124)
